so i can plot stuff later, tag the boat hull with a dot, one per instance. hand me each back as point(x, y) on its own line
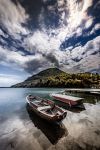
point(46, 117)
point(69, 102)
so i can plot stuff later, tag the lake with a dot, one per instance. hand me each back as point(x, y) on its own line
point(22, 130)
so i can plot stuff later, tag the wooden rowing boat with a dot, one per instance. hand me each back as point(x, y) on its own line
point(72, 101)
point(46, 109)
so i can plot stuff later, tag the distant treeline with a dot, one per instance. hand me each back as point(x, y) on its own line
point(80, 80)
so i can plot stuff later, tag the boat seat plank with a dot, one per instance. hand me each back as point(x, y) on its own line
point(36, 101)
point(43, 107)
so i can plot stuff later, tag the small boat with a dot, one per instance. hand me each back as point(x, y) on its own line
point(70, 100)
point(46, 109)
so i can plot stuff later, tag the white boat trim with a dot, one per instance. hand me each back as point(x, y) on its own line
point(67, 97)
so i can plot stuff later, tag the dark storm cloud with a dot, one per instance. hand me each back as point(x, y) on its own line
point(32, 66)
point(35, 65)
point(52, 58)
point(50, 12)
point(94, 11)
point(42, 62)
point(34, 8)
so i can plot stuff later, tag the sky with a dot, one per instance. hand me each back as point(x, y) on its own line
point(38, 34)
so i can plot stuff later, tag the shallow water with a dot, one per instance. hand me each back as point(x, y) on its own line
point(21, 130)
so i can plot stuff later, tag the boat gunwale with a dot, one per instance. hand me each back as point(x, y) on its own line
point(67, 97)
point(49, 117)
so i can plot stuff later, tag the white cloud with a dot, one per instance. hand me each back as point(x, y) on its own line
point(41, 43)
point(77, 12)
point(11, 16)
point(14, 58)
point(72, 14)
point(95, 28)
point(8, 80)
point(89, 22)
point(49, 41)
point(88, 56)
point(29, 63)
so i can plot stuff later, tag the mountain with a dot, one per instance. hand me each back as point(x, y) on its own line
point(38, 80)
point(46, 73)
point(53, 77)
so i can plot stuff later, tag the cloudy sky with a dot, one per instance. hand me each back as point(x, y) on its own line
point(38, 34)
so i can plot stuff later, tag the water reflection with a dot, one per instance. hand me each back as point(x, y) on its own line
point(72, 109)
point(52, 131)
point(17, 131)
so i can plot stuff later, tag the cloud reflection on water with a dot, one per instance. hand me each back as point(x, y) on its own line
point(83, 129)
point(18, 132)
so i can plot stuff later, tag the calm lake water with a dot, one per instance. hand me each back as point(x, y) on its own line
point(22, 130)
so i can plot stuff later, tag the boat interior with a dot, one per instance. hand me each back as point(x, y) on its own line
point(44, 106)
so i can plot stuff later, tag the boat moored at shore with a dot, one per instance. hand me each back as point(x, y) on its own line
point(69, 100)
point(46, 109)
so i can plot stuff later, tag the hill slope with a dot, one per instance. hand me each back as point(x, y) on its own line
point(46, 73)
point(53, 77)
point(39, 79)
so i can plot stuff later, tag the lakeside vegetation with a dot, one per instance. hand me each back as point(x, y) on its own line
point(53, 77)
